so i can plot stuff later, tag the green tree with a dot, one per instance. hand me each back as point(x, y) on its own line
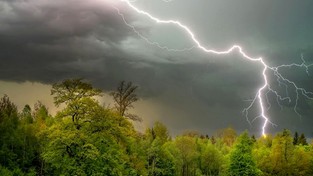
point(9, 138)
point(242, 162)
point(228, 136)
point(301, 161)
point(95, 149)
point(78, 96)
point(187, 155)
point(26, 114)
point(211, 160)
point(261, 152)
point(159, 130)
point(18, 144)
point(158, 161)
point(99, 142)
point(281, 154)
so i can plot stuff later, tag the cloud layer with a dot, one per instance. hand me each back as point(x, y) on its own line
point(47, 41)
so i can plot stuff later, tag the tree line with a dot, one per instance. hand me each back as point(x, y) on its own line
point(87, 138)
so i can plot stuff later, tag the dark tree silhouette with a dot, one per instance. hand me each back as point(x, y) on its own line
point(302, 140)
point(296, 139)
point(124, 97)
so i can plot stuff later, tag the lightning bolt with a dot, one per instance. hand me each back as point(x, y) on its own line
point(148, 40)
point(262, 93)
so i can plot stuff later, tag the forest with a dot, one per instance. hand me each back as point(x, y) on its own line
point(88, 138)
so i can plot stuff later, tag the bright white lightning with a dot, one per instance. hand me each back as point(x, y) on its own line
point(260, 93)
point(146, 39)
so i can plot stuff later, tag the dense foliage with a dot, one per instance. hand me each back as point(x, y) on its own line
point(85, 138)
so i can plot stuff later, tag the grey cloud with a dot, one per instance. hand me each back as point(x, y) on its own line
point(47, 41)
point(61, 19)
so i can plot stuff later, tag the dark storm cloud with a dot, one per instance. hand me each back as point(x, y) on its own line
point(32, 21)
point(47, 41)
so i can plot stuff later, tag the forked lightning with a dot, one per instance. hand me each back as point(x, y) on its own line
point(262, 92)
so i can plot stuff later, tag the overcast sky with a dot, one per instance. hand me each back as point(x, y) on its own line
point(44, 41)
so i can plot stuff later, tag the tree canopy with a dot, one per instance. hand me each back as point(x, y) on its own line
point(86, 138)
